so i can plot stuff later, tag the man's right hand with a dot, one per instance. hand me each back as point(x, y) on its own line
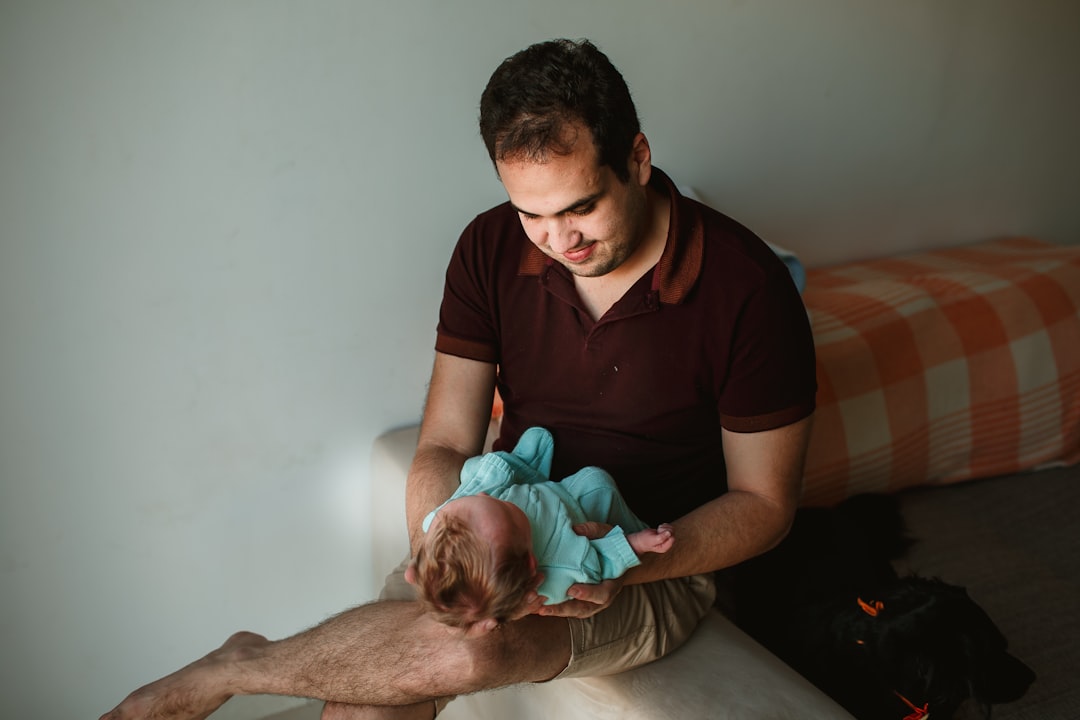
point(531, 605)
point(533, 600)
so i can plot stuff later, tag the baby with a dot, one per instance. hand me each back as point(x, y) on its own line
point(508, 528)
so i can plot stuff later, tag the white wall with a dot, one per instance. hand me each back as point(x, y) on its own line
point(223, 227)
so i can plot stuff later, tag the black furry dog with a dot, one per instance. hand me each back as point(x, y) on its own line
point(829, 603)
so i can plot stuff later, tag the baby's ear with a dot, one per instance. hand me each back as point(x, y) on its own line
point(410, 573)
point(482, 627)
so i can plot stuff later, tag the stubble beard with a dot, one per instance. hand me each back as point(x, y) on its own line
point(603, 265)
point(618, 253)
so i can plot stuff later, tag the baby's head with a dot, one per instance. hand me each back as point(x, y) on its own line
point(475, 566)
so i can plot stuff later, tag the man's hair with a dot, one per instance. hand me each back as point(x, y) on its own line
point(461, 583)
point(535, 95)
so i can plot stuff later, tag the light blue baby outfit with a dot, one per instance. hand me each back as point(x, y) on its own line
point(553, 508)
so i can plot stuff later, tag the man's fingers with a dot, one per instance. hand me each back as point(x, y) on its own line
point(593, 530)
point(531, 606)
point(586, 600)
point(571, 608)
point(600, 594)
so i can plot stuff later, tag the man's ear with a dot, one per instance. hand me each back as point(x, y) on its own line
point(410, 573)
point(640, 160)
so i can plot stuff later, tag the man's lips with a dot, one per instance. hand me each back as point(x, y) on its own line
point(576, 256)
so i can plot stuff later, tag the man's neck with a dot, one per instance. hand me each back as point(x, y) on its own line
point(600, 293)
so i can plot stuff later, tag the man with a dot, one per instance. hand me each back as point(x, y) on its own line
point(652, 336)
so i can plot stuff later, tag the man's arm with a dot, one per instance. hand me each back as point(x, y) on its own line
point(453, 429)
point(764, 485)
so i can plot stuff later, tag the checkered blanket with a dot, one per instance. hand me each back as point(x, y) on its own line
point(944, 366)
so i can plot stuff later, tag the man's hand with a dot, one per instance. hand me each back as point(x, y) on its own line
point(530, 605)
point(593, 530)
point(533, 602)
point(587, 600)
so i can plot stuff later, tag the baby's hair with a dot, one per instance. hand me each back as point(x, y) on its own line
point(461, 583)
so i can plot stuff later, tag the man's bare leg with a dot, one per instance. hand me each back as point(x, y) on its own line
point(182, 694)
point(384, 653)
point(419, 711)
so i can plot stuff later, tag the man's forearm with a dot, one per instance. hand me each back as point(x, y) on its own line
point(433, 477)
point(735, 527)
point(764, 486)
point(455, 423)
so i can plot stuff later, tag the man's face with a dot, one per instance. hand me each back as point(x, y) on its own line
point(577, 212)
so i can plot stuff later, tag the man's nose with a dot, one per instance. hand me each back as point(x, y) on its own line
point(561, 235)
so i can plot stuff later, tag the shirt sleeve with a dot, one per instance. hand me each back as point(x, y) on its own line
point(467, 327)
point(772, 375)
point(614, 554)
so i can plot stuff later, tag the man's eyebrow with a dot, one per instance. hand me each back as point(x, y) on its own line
point(576, 205)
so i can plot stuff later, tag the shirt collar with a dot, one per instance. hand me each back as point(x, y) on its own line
point(680, 263)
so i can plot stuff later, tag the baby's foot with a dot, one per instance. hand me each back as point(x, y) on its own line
point(659, 540)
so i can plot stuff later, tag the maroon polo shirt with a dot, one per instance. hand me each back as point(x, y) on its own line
point(714, 336)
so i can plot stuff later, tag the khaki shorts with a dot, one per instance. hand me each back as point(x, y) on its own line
point(645, 623)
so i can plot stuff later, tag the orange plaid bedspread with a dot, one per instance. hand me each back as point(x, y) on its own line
point(944, 366)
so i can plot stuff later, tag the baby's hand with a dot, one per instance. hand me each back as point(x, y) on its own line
point(659, 540)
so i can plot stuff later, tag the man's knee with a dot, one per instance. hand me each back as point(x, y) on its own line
point(530, 650)
point(340, 711)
